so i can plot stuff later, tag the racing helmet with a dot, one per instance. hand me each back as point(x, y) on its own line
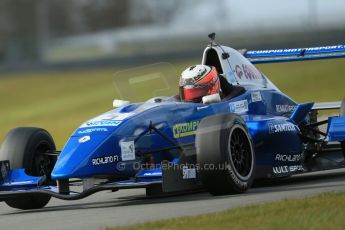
point(198, 81)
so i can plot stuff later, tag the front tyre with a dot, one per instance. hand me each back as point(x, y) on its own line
point(24, 148)
point(225, 154)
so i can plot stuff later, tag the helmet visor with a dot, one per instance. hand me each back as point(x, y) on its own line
point(193, 93)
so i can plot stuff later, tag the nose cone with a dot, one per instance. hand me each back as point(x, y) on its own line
point(94, 149)
point(88, 154)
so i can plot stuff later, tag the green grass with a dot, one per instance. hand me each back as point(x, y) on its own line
point(60, 101)
point(55, 101)
point(309, 81)
point(325, 211)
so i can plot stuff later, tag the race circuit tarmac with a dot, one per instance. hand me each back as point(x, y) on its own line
point(106, 209)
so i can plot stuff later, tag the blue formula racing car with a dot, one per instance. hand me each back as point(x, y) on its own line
point(220, 143)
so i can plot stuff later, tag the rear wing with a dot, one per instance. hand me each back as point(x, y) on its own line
point(297, 54)
point(327, 105)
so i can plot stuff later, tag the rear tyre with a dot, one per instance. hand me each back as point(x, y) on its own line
point(225, 154)
point(23, 147)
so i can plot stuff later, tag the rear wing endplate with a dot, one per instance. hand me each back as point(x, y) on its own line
point(302, 110)
point(295, 54)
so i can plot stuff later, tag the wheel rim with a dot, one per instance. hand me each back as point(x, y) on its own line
point(42, 162)
point(240, 152)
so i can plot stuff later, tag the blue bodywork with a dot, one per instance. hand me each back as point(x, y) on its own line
point(335, 130)
point(76, 159)
point(118, 143)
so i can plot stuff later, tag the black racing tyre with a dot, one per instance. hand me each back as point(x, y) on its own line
point(342, 113)
point(225, 154)
point(23, 147)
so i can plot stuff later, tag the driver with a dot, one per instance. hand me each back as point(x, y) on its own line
point(198, 81)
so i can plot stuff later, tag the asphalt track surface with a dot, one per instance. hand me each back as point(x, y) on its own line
point(131, 206)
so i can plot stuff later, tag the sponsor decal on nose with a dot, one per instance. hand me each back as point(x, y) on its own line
point(84, 139)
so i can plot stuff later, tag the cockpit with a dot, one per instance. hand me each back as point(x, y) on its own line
point(229, 85)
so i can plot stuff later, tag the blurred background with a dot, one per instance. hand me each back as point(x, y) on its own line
point(107, 31)
point(59, 59)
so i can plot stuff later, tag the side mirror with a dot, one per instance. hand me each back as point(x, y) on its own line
point(118, 103)
point(214, 98)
